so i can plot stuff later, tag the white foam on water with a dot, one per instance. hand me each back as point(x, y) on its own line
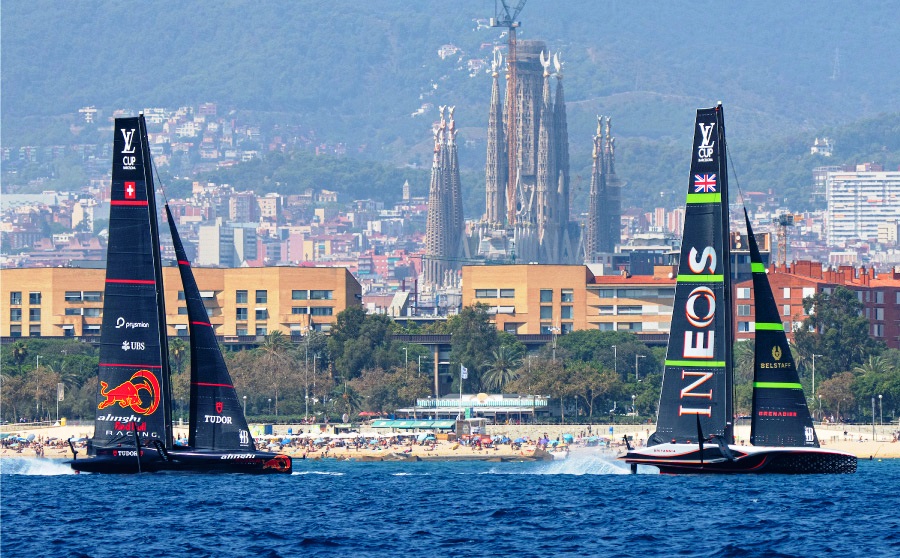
point(35, 467)
point(326, 473)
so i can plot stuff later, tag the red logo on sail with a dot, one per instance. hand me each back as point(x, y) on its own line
point(219, 407)
point(130, 190)
point(128, 394)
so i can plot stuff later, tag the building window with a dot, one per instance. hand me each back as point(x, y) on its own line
point(73, 296)
point(786, 310)
point(607, 310)
point(507, 293)
point(261, 331)
point(15, 314)
point(546, 312)
point(91, 330)
point(878, 330)
point(605, 326)
point(262, 297)
point(606, 293)
point(182, 311)
point(808, 292)
point(743, 310)
point(299, 310)
point(666, 293)
point(485, 293)
point(15, 331)
point(566, 327)
point(240, 297)
point(510, 327)
point(567, 295)
point(631, 293)
point(92, 312)
point(743, 327)
point(182, 332)
point(546, 329)
point(34, 330)
point(73, 311)
point(787, 293)
point(743, 293)
point(68, 332)
point(321, 295)
point(630, 326)
point(630, 310)
point(241, 331)
point(93, 296)
point(566, 313)
point(546, 295)
point(34, 314)
point(180, 295)
point(241, 314)
point(879, 314)
point(322, 311)
point(299, 295)
point(262, 314)
point(16, 298)
point(879, 297)
point(34, 298)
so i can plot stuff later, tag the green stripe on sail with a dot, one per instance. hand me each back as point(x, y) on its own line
point(777, 385)
point(756, 267)
point(697, 363)
point(704, 198)
point(763, 326)
point(700, 279)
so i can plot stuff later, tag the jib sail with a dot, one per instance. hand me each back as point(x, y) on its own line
point(780, 413)
point(216, 418)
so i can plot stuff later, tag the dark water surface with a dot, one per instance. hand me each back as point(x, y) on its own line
point(585, 506)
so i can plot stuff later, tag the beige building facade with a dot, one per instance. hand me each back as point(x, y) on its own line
point(241, 302)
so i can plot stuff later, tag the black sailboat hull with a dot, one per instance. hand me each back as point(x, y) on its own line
point(152, 460)
point(682, 459)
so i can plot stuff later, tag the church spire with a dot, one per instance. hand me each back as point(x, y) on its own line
point(496, 169)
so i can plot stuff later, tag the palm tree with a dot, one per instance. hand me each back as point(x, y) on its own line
point(275, 351)
point(19, 353)
point(873, 365)
point(503, 367)
point(178, 351)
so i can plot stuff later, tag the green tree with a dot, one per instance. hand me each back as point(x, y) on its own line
point(502, 368)
point(837, 329)
point(276, 356)
point(473, 339)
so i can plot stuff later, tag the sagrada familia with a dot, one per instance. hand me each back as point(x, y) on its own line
point(527, 204)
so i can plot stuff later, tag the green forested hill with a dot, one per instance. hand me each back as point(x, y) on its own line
point(354, 72)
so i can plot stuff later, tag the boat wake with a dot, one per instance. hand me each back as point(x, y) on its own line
point(35, 467)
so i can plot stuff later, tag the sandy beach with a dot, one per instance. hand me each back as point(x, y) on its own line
point(857, 441)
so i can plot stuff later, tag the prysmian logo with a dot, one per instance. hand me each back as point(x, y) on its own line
point(120, 323)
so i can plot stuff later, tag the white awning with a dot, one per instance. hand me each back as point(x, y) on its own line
point(207, 294)
point(180, 326)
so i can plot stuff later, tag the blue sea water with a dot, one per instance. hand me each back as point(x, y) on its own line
point(584, 506)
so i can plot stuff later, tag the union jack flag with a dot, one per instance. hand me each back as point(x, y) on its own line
point(704, 183)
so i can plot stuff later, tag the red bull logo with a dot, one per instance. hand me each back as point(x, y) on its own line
point(128, 394)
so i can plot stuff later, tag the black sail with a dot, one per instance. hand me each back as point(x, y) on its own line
point(780, 413)
point(697, 381)
point(216, 418)
point(134, 370)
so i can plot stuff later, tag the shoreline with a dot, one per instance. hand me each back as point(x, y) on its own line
point(830, 437)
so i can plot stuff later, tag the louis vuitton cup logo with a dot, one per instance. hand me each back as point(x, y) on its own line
point(707, 146)
point(128, 158)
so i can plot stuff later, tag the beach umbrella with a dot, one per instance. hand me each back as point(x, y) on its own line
point(568, 438)
point(520, 440)
point(29, 438)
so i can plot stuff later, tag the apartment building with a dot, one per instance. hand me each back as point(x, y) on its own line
point(68, 302)
point(858, 202)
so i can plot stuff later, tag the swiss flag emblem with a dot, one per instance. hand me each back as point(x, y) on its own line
point(130, 191)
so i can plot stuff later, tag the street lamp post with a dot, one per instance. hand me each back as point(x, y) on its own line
point(37, 402)
point(880, 411)
point(633, 409)
point(270, 406)
point(814, 374)
point(636, 357)
point(555, 331)
point(245, 406)
point(419, 369)
point(873, 419)
point(615, 360)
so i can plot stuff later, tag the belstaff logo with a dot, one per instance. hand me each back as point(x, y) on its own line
point(776, 352)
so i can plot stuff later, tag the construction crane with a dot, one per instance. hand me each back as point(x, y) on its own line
point(504, 16)
point(783, 222)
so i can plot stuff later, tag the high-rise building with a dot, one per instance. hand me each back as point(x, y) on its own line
point(858, 202)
